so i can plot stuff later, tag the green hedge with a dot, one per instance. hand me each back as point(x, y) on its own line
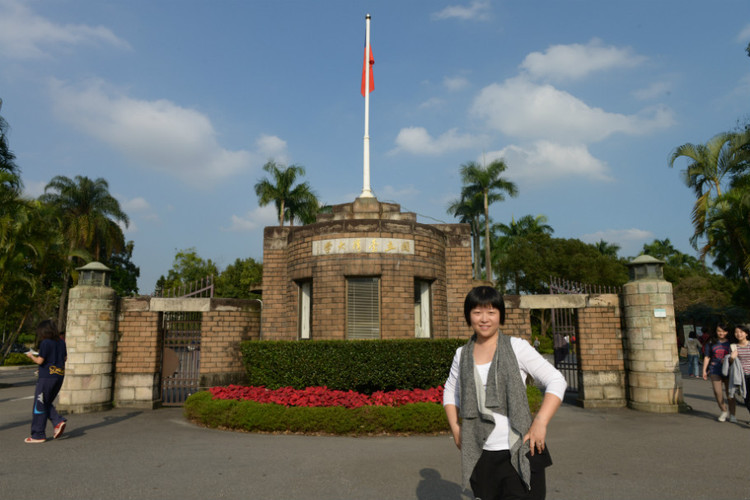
point(364, 366)
point(415, 418)
point(17, 359)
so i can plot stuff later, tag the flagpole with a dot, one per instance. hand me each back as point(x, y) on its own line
point(366, 192)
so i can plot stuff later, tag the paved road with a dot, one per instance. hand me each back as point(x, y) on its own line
point(131, 454)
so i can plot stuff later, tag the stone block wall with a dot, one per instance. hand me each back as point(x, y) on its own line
point(90, 339)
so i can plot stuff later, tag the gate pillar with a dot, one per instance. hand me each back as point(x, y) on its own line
point(90, 340)
point(652, 363)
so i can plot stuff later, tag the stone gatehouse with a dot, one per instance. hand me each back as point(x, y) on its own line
point(365, 271)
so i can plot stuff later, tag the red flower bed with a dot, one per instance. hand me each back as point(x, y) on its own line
point(322, 396)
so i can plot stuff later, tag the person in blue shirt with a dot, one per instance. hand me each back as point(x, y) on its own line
point(714, 352)
point(51, 360)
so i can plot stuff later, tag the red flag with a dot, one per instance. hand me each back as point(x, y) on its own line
point(364, 68)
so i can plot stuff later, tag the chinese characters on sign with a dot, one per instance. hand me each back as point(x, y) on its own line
point(363, 245)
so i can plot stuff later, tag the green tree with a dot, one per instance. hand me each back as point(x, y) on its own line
point(10, 180)
point(291, 201)
point(124, 272)
point(536, 257)
point(188, 268)
point(469, 211)
point(728, 234)
point(487, 181)
point(708, 164)
point(31, 249)
point(89, 217)
point(506, 233)
point(607, 249)
point(239, 278)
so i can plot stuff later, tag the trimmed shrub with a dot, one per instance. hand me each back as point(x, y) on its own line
point(365, 366)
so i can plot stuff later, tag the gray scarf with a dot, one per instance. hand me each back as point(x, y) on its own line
point(505, 394)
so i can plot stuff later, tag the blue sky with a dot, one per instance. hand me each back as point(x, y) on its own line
point(178, 104)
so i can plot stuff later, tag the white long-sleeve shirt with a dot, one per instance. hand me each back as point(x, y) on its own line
point(530, 362)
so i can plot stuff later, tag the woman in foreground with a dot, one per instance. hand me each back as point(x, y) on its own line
point(503, 451)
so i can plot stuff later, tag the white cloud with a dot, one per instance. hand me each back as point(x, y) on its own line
point(137, 204)
point(157, 135)
point(434, 102)
point(544, 162)
point(417, 140)
point(653, 91)
point(270, 146)
point(520, 108)
point(455, 83)
point(630, 240)
point(255, 219)
point(576, 61)
point(25, 35)
point(744, 35)
point(478, 10)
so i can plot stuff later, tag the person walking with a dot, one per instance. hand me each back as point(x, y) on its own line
point(714, 351)
point(742, 355)
point(693, 354)
point(51, 360)
point(503, 451)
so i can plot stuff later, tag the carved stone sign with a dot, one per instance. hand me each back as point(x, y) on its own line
point(363, 245)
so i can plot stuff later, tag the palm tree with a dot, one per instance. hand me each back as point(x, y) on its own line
point(89, 218)
point(524, 227)
point(487, 182)
point(728, 234)
point(30, 247)
point(468, 211)
point(298, 201)
point(708, 164)
point(607, 249)
point(10, 182)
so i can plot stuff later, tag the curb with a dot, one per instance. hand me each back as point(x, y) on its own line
point(18, 367)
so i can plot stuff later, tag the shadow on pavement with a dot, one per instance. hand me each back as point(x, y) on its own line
point(433, 487)
point(80, 431)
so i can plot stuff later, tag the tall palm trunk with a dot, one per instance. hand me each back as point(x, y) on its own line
point(487, 261)
point(62, 311)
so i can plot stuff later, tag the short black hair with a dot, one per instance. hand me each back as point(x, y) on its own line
point(483, 296)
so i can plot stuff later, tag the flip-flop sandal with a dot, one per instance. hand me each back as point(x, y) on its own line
point(31, 440)
point(59, 429)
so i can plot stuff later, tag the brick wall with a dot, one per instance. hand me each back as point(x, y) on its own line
point(225, 323)
point(600, 339)
point(139, 341)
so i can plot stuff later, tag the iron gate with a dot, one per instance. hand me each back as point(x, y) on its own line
point(181, 356)
point(564, 342)
point(564, 328)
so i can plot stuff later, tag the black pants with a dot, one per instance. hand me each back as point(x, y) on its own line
point(494, 478)
point(44, 395)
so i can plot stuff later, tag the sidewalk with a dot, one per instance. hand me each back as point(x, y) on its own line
point(598, 455)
